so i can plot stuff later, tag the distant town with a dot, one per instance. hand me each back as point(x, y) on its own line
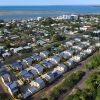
point(50, 58)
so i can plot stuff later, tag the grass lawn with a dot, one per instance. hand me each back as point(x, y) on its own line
point(1, 29)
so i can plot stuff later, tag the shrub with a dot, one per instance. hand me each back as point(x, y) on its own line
point(56, 91)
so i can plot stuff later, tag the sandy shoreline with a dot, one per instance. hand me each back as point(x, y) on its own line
point(96, 6)
point(40, 12)
point(28, 12)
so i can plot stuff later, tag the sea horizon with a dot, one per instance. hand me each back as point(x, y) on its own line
point(57, 5)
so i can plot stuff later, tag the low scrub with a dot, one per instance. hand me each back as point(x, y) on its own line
point(68, 83)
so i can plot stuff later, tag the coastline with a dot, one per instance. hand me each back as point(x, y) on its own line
point(28, 12)
point(96, 6)
point(41, 12)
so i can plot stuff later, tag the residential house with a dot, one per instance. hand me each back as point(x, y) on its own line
point(86, 36)
point(2, 48)
point(19, 65)
point(32, 89)
point(28, 61)
point(6, 77)
point(13, 87)
point(39, 68)
point(69, 43)
point(27, 47)
point(83, 28)
point(56, 73)
point(84, 54)
point(62, 68)
point(78, 39)
point(49, 76)
point(90, 50)
point(49, 62)
point(55, 59)
point(44, 54)
point(33, 72)
point(97, 44)
point(70, 62)
point(26, 75)
point(37, 57)
point(38, 82)
point(17, 50)
point(66, 54)
point(16, 66)
point(77, 48)
point(6, 54)
point(27, 94)
point(40, 42)
point(77, 58)
point(86, 43)
point(2, 69)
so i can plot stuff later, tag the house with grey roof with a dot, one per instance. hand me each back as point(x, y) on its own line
point(13, 87)
point(55, 59)
point(77, 39)
point(70, 62)
point(49, 76)
point(66, 54)
point(61, 68)
point(38, 83)
point(39, 68)
point(86, 43)
point(6, 77)
point(28, 60)
point(77, 48)
point(49, 62)
point(44, 54)
point(37, 57)
point(27, 94)
point(18, 65)
point(77, 58)
point(32, 89)
point(26, 75)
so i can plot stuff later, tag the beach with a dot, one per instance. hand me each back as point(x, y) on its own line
point(41, 12)
point(28, 12)
point(96, 6)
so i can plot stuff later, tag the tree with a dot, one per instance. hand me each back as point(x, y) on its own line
point(48, 21)
point(57, 37)
point(1, 21)
point(70, 97)
point(56, 91)
point(98, 94)
point(7, 45)
point(4, 96)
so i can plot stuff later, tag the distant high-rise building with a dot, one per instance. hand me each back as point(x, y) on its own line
point(74, 17)
point(65, 16)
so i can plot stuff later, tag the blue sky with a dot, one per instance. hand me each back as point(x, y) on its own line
point(49, 2)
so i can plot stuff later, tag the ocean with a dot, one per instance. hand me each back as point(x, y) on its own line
point(64, 8)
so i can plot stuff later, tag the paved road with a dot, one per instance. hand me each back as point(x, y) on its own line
point(82, 83)
point(3, 89)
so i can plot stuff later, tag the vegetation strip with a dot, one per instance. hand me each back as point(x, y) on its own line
point(91, 93)
point(68, 82)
